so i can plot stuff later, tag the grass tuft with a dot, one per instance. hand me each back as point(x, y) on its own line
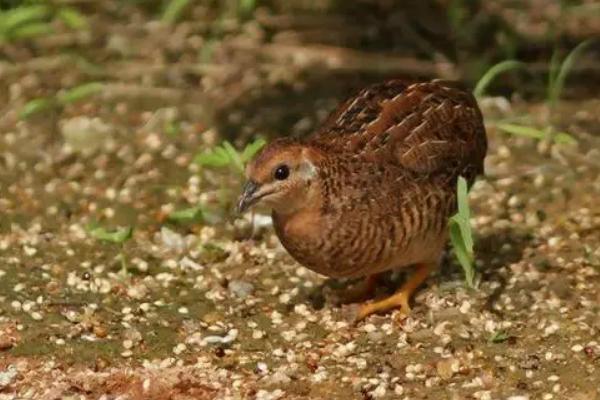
point(35, 20)
point(560, 70)
point(70, 96)
point(117, 236)
point(226, 155)
point(18, 16)
point(461, 235)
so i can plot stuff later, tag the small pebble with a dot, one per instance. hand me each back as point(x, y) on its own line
point(240, 289)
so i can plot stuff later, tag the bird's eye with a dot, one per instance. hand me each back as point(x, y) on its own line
point(281, 172)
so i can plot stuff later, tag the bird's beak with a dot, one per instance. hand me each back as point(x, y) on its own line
point(248, 196)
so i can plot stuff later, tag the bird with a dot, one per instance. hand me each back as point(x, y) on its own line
point(373, 188)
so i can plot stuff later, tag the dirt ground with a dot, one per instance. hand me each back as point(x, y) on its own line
point(215, 308)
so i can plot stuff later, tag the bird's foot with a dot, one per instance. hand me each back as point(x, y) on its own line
point(398, 300)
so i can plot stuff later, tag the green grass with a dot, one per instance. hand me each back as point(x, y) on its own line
point(499, 337)
point(493, 73)
point(461, 235)
point(174, 10)
point(72, 18)
point(187, 215)
point(69, 96)
point(535, 133)
point(80, 92)
point(37, 106)
point(117, 236)
point(246, 8)
point(25, 21)
point(35, 20)
point(557, 76)
point(226, 155)
point(559, 70)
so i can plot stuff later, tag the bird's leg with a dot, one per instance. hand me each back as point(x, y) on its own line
point(360, 291)
point(399, 299)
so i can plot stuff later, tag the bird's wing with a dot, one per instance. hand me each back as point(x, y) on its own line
point(424, 127)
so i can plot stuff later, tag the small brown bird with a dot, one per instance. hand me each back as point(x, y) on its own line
point(373, 188)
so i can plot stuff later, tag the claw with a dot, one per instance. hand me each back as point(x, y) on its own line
point(398, 300)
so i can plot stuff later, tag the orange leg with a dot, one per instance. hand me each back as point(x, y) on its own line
point(399, 299)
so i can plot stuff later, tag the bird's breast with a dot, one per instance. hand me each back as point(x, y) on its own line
point(368, 234)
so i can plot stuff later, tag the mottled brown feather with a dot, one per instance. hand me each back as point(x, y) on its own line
point(428, 127)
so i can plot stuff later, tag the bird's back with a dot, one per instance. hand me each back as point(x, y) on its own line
point(431, 128)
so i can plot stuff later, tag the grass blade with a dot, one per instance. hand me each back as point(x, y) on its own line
point(522, 130)
point(251, 149)
point(37, 106)
point(564, 138)
point(12, 19)
point(552, 72)
point(534, 133)
point(30, 30)
point(72, 18)
point(213, 158)
point(463, 201)
point(227, 155)
point(492, 73)
point(119, 235)
point(461, 235)
point(234, 156)
point(465, 259)
point(499, 337)
point(173, 11)
point(558, 82)
point(80, 92)
point(192, 214)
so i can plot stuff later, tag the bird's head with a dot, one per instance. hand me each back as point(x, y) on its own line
point(282, 177)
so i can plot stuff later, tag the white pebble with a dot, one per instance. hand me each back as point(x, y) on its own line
point(180, 348)
point(36, 316)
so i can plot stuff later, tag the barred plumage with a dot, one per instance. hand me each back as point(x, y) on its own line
point(373, 188)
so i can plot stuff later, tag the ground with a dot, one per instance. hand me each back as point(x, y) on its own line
point(214, 308)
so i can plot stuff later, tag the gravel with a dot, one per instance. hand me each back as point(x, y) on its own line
point(240, 289)
point(216, 309)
